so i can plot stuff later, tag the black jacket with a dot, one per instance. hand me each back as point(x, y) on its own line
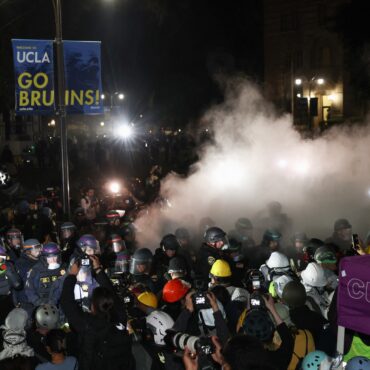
point(92, 329)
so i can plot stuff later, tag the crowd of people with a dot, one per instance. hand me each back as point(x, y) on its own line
point(84, 294)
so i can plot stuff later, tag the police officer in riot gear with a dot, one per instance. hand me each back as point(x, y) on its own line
point(43, 284)
point(169, 247)
point(243, 233)
point(214, 247)
point(115, 258)
point(30, 256)
point(238, 262)
point(14, 241)
point(68, 239)
point(140, 267)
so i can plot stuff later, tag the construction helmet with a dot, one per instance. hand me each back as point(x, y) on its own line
point(148, 299)
point(325, 254)
point(174, 290)
point(159, 322)
point(220, 269)
point(314, 275)
point(277, 260)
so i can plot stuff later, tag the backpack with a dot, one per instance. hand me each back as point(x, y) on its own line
point(108, 349)
point(303, 344)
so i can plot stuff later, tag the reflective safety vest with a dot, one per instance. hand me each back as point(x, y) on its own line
point(358, 348)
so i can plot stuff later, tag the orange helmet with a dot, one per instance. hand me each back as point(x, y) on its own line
point(174, 290)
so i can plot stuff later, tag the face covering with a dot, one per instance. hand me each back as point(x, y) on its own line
point(53, 266)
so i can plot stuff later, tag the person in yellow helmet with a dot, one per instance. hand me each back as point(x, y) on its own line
point(221, 274)
point(148, 299)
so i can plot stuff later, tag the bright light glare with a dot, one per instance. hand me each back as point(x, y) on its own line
point(114, 187)
point(125, 131)
point(102, 96)
point(320, 81)
point(121, 96)
point(52, 123)
point(298, 81)
point(102, 124)
point(368, 192)
point(282, 163)
point(298, 95)
point(301, 168)
point(332, 97)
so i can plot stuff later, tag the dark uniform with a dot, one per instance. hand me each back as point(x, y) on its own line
point(206, 258)
point(43, 285)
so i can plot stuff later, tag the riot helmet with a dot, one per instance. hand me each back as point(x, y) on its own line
point(51, 255)
point(14, 238)
point(32, 247)
point(89, 245)
point(67, 230)
point(217, 238)
point(141, 262)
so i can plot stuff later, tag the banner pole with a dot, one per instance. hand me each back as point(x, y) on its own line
point(340, 343)
point(61, 111)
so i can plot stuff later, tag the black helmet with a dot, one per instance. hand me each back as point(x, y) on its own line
point(182, 233)
point(271, 235)
point(234, 245)
point(258, 324)
point(243, 223)
point(142, 256)
point(214, 234)
point(341, 224)
point(294, 294)
point(176, 265)
point(299, 237)
point(170, 242)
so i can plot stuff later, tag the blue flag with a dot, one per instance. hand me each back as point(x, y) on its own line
point(34, 76)
point(82, 64)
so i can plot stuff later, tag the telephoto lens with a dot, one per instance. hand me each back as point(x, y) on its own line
point(199, 345)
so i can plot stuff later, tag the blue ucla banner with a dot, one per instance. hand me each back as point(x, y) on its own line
point(34, 77)
point(82, 62)
point(34, 80)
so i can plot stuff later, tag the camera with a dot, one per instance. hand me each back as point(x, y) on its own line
point(198, 345)
point(256, 300)
point(200, 299)
point(85, 260)
point(120, 283)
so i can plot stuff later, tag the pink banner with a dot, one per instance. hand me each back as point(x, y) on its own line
point(354, 293)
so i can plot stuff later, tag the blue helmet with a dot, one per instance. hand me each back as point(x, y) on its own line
point(50, 249)
point(358, 363)
point(88, 241)
point(313, 360)
point(67, 226)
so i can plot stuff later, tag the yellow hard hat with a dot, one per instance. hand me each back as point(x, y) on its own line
point(221, 269)
point(149, 299)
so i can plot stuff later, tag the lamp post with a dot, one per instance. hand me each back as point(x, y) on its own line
point(61, 110)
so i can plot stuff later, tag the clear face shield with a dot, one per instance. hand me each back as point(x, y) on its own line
point(117, 246)
point(15, 241)
point(53, 261)
point(140, 267)
point(223, 243)
point(35, 251)
point(67, 233)
point(122, 266)
point(91, 251)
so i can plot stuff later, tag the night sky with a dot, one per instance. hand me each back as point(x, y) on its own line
point(162, 54)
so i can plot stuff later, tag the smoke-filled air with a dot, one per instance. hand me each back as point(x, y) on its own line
point(257, 157)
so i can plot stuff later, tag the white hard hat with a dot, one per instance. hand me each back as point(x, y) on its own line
point(277, 260)
point(314, 275)
point(159, 322)
point(280, 282)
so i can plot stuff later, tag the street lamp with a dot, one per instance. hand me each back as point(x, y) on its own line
point(121, 96)
point(298, 81)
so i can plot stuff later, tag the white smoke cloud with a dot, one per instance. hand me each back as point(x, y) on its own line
point(257, 157)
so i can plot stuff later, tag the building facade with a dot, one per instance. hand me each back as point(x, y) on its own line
point(304, 61)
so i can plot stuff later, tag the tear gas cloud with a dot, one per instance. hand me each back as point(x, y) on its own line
point(258, 157)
